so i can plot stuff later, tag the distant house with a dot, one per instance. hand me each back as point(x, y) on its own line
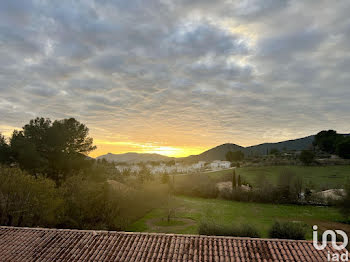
point(133, 168)
point(218, 164)
point(199, 165)
point(39, 244)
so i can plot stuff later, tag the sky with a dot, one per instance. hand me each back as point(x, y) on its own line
point(177, 77)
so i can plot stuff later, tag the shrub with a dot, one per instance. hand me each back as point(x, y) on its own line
point(26, 200)
point(344, 204)
point(307, 157)
point(287, 230)
point(198, 185)
point(82, 201)
point(213, 229)
point(343, 148)
point(100, 205)
point(165, 178)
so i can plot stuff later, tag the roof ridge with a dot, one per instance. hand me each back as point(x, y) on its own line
point(154, 233)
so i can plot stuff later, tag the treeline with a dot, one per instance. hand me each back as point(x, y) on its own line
point(55, 149)
point(333, 143)
point(81, 201)
point(279, 230)
point(48, 180)
point(288, 189)
point(328, 141)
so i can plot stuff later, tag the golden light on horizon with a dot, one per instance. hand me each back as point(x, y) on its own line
point(121, 147)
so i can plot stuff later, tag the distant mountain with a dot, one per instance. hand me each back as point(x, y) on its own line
point(216, 153)
point(134, 157)
point(296, 144)
point(219, 152)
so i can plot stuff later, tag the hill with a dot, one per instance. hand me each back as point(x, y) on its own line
point(296, 144)
point(134, 157)
point(216, 153)
point(219, 152)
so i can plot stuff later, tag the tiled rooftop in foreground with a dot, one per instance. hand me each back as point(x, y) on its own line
point(39, 244)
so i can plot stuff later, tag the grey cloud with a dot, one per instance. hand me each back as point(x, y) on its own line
point(286, 45)
point(214, 70)
point(40, 91)
point(204, 38)
point(220, 69)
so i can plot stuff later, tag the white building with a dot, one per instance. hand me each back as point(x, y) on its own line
point(218, 164)
point(133, 169)
point(199, 165)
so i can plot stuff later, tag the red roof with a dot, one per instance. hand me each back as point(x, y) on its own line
point(39, 244)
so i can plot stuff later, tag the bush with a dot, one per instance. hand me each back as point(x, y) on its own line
point(82, 201)
point(198, 185)
point(26, 200)
point(212, 229)
point(307, 157)
point(343, 148)
point(165, 178)
point(344, 204)
point(287, 230)
point(100, 205)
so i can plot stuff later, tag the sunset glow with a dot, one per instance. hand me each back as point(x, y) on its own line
point(180, 78)
point(104, 147)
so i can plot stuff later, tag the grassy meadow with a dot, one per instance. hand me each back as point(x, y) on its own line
point(319, 177)
point(190, 211)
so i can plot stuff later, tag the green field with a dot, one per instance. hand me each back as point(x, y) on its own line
point(189, 212)
point(320, 177)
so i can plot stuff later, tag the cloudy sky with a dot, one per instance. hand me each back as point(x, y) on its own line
point(177, 77)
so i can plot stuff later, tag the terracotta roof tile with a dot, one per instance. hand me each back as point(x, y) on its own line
point(38, 244)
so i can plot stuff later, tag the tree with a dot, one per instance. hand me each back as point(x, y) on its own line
point(297, 187)
point(234, 183)
point(274, 151)
point(307, 157)
point(26, 154)
point(345, 203)
point(5, 152)
point(55, 149)
point(165, 178)
point(327, 140)
point(170, 163)
point(343, 148)
point(239, 181)
point(234, 156)
point(71, 137)
point(289, 186)
point(26, 200)
point(144, 174)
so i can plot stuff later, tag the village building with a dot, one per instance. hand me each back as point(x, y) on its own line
point(218, 164)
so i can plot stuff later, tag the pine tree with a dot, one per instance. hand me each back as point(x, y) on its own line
point(234, 184)
point(239, 181)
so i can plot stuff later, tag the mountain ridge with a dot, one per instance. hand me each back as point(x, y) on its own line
point(215, 153)
point(133, 157)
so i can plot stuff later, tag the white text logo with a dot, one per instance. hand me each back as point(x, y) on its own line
point(332, 234)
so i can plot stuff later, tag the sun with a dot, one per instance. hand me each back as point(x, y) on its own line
point(175, 151)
